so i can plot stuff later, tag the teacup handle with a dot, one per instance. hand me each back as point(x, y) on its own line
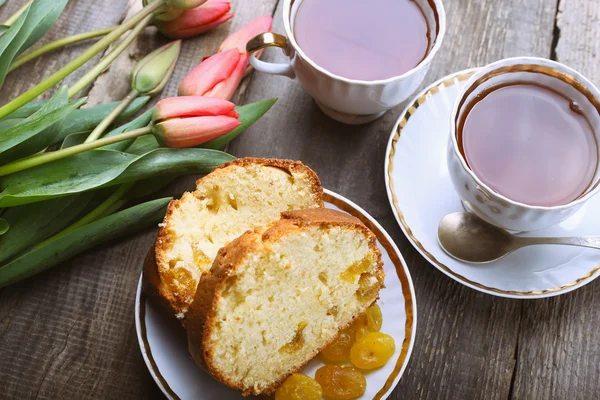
point(269, 39)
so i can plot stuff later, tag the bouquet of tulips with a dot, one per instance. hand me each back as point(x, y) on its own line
point(67, 172)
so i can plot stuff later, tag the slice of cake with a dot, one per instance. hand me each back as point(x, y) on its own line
point(232, 199)
point(278, 295)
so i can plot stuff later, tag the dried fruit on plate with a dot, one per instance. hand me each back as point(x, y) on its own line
point(340, 382)
point(370, 321)
point(372, 350)
point(339, 349)
point(299, 387)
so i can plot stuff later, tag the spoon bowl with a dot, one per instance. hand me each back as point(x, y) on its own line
point(467, 237)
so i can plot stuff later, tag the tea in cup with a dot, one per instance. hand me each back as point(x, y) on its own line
point(356, 58)
point(524, 146)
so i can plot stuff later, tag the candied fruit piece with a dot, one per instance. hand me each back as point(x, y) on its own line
point(368, 287)
point(333, 311)
point(173, 262)
point(200, 257)
point(374, 318)
point(339, 349)
point(355, 270)
point(369, 321)
point(297, 341)
point(179, 276)
point(339, 382)
point(299, 387)
point(372, 350)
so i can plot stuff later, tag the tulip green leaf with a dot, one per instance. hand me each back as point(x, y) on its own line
point(37, 131)
point(248, 114)
point(143, 145)
point(9, 123)
point(27, 109)
point(147, 187)
point(137, 123)
point(42, 17)
point(52, 112)
point(31, 25)
point(82, 121)
point(63, 247)
point(4, 226)
point(8, 52)
point(86, 119)
point(32, 223)
point(74, 139)
point(102, 168)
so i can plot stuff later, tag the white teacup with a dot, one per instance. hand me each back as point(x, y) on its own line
point(347, 100)
point(480, 198)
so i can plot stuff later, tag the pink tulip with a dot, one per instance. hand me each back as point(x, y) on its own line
point(217, 76)
point(239, 38)
point(197, 20)
point(190, 121)
point(220, 75)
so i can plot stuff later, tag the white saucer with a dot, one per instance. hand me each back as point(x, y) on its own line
point(164, 348)
point(421, 193)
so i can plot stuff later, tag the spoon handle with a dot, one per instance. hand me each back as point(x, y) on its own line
point(590, 241)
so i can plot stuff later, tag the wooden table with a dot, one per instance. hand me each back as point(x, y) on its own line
point(69, 332)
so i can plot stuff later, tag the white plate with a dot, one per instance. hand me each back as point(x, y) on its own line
point(163, 342)
point(421, 193)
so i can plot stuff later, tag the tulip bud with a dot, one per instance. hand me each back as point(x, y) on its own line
point(190, 121)
point(197, 20)
point(217, 76)
point(185, 4)
point(152, 73)
point(242, 36)
point(239, 38)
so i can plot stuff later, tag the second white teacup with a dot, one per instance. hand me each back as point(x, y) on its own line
point(347, 100)
point(478, 196)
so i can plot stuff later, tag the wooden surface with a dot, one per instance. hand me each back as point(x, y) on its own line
point(69, 333)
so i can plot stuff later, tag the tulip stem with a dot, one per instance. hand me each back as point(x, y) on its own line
point(44, 158)
point(11, 20)
point(57, 44)
point(97, 69)
point(109, 119)
point(78, 61)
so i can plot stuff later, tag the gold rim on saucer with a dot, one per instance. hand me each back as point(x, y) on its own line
point(407, 293)
point(402, 121)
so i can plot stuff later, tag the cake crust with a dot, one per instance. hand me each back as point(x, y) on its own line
point(175, 301)
point(201, 316)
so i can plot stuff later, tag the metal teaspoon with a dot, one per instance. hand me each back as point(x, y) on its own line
point(468, 238)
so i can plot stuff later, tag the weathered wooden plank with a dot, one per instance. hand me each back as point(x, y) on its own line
point(465, 340)
point(559, 341)
point(69, 332)
point(578, 23)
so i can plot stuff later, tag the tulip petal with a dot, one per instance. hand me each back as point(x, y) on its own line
point(226, 89)
point(190, 132)
point(203, 28)
point(191, 106)
point(198, 20)
point(239, 38)
point(209, 73)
